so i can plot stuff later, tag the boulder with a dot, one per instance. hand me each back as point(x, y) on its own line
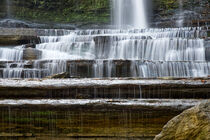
point(192, 124)
point(31, 54)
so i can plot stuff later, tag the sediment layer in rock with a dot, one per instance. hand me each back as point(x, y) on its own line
point(110, 88)
point(88, 121)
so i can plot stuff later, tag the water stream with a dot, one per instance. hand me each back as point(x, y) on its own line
point(180, 20)
point(8, 2)
point(129, 13)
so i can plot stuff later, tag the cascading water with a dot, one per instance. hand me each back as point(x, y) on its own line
point(180, 20)
point(8, 2)
point(64, 108)
point(148, 53)
point(129, 13)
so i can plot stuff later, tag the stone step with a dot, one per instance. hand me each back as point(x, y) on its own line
point(19, 36)
point(110, 47)
point(124, 47)
point(104, 88)
point(182, 32)
point(87, 119)
point(18, 39)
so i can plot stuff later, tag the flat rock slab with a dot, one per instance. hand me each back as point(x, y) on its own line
point(103, 88)
point(86, 118)
point(136, 104)
point(85, 82)
point(32, 32)
point(18, 39)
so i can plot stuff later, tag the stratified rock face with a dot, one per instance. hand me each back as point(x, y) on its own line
point(192, 124)
point(18, 39)
point(180, 13)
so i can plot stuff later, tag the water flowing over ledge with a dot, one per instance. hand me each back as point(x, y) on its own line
point(144, 53)
point(130, 13)
point(59, 83)
point(118, 83)
point(173, 103)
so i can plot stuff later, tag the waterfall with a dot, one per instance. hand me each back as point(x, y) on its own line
point(144, 53)
point(129, 13)
point(180, 20)
point(8, 2)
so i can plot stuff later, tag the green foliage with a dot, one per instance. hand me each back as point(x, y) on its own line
point(165, 7)
point(63, 11)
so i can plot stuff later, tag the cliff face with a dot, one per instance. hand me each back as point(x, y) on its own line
point(172, 13)
point(166, 13)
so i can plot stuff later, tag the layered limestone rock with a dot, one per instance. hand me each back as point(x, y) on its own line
point(105, 88)
point(17, 39)
point(192, 124)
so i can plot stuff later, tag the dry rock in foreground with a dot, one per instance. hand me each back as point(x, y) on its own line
point(192, 124)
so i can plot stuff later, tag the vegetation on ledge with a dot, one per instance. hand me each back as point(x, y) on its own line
point(96, 11)
point(62, 11)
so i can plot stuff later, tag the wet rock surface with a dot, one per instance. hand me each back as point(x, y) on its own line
point(191, 124)
point(59, 76)
point(32, 32)
point(18, 39)
point(189, 13)
point(13, 23)
point(31, 54)
point(31, 45)
point(83, 121)
point(93, 88)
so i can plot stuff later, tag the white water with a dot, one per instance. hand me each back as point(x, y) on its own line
point(173, 103)
point(94, 82)
point(11, 54)
point(149, 53)
point(8, 2)
point(180, 20)
point(129, 12)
